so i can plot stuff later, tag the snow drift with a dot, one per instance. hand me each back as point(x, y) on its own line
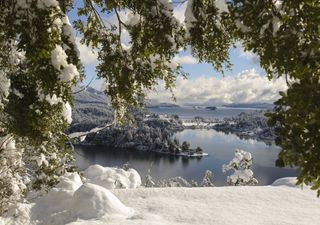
point(100, 200)
point(112, 178)
point(72, 199)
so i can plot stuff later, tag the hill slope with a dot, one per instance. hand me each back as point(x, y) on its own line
point(90, 110)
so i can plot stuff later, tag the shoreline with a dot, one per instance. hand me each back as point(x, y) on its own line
point(186, 155)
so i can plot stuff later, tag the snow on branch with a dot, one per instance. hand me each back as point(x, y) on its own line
point(241, 167)
point(94, 130)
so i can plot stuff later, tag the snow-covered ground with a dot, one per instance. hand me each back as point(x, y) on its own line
point(91, 203)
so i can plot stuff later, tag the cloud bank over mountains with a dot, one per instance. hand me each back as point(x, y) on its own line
point(246, 87)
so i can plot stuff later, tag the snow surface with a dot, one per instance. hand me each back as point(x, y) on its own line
point(75, 203)
point(285, 181)
point(112, 178)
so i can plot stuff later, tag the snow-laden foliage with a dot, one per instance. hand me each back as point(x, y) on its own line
point(155, 37)
point(149, 182)
point(207, 180)
point(286, 36)
point(240, 165)
point(12, 179)
point(209, 26)
point(38, 65)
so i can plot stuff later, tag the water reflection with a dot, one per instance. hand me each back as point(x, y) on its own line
point(220, 147)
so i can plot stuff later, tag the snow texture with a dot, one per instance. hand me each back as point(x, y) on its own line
point(58, 57)
point(112, 178)
point(53, 100)
point(74, 203)
point(94, 201)
point(4, 85)
point(72, 199)
point(59, 61)
point(286, 181)
point(67, 112)
point(189, 17)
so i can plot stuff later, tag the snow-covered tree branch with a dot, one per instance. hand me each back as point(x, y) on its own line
point(240, 165)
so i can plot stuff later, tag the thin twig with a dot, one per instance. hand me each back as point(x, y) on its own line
point(85, 87)
point(119, 22)
point(96, 13)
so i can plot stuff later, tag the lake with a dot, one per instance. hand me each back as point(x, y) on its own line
point(220, 147)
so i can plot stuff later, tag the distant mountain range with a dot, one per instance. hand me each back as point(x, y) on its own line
point(91, 108)
point(162, 105)
point(250, 105)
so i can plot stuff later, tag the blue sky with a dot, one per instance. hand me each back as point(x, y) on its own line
point(246, 82)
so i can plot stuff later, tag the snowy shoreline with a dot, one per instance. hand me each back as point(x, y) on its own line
point(181, 154)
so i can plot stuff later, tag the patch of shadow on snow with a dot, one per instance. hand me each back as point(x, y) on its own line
point(285, 181)
point(93, 201)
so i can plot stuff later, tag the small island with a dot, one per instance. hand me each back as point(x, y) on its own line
point(162, 105)
point(211, 107)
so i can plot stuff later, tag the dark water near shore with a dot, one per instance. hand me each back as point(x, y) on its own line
point(220, 147)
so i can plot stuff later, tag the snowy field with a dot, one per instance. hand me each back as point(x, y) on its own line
point(113, 196)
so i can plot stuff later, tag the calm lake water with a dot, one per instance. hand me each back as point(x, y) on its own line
point(220, 147)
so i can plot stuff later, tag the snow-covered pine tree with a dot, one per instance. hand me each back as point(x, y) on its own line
point(207, 180)
point(240, 165)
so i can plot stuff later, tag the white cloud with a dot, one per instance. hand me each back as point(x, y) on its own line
point(87, 54)
point(246, 87)
point(248, 55)
point(179, 9)
point(113, 21)
point(187, 59)
point(253, 58)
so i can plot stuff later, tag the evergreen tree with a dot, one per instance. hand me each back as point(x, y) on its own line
point(240, 165)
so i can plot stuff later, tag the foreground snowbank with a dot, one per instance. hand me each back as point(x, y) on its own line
point(91, 203)
point(112, 178)
point(72, 199)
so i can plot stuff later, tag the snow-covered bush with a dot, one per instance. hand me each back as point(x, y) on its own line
point(94, 201)
point(12, 183)
point(240, 165)
point(39, 63)
point(149, 181)
point(185, 146)
point(173, 182)
point(68, 201)
point(112, 178)
point(207, 180)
